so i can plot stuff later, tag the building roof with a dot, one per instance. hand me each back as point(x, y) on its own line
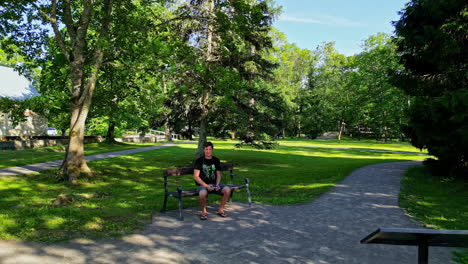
point(15, 86)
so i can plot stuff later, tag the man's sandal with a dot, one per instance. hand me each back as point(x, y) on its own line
point(203, 217)
point(223, 214)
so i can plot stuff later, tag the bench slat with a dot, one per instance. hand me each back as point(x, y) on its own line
point(185, 193)
point(177, 171)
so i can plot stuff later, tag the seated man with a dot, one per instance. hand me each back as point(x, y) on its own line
point(207, 175)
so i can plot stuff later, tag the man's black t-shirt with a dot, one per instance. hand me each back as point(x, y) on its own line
point(208, 168)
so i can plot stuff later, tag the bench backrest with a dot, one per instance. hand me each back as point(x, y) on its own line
point(187, 170)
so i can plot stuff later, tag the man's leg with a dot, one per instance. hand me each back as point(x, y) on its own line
point(203, 193)
point(226, 192)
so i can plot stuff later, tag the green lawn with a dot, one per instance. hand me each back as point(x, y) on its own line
point(440, 203)
point(11, 158)
point(350, 143)
point(286, 175)
point(436, 202)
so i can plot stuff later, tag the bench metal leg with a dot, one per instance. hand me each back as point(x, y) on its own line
point(248, 193)
point(181, 217)
point(423, 253)
point(164, 203)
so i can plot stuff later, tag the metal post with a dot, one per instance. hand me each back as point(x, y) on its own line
point(423, 252)
point(179, 192)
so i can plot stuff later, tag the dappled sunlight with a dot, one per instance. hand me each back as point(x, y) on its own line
point(123, 205)
point(385, 206)
point(441, 219)
point(310, 186)
point(54, 222)
point(96, 223)
point(424, 203)
point(369, 144)
point(378, 194)
point(138, 239)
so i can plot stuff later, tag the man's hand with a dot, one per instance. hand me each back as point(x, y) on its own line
point(213, 187)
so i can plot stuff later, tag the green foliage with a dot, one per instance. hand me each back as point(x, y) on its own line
point(222, 68)
point(288, 81)
point(379, 104)
point(354, 91)
point(461, 256)
point(431, 36)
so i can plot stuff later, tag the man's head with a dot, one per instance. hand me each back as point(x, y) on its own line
point(208, 149)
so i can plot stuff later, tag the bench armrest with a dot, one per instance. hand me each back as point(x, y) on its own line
point(247, 181)
point(166, 183)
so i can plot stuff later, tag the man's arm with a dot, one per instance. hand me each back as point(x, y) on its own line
point(218, 178)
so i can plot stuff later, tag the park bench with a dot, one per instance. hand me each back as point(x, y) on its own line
point(423, 238)
point(179, 192)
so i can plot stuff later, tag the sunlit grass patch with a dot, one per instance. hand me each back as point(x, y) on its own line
point(364, 144)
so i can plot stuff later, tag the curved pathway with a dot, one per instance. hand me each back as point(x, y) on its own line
point(326, 230)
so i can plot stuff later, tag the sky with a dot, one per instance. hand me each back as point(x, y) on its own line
point(309, 23)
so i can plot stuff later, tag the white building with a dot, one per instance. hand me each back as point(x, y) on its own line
point(17, 87)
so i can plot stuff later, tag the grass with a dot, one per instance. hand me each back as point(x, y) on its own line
point(351, 143)
point(437, 202)
point(286, 175)
point(11, 158)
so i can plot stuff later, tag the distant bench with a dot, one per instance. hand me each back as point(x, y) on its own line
point(179, 193)
point(423, 238)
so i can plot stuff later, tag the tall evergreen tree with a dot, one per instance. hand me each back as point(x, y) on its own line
point(227, 38)
point(432, 39)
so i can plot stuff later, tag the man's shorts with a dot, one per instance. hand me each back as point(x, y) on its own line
point(219, 191)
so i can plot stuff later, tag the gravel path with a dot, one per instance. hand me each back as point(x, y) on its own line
point(326, 230)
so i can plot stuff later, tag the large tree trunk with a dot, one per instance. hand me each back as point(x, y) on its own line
point(203, 123)
point(75, 162)
point(250, 131)
point(83, 85)
point(110, 137)
point(167, 131)
point(189, 130)
point(205, 102)
point(201, 135)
